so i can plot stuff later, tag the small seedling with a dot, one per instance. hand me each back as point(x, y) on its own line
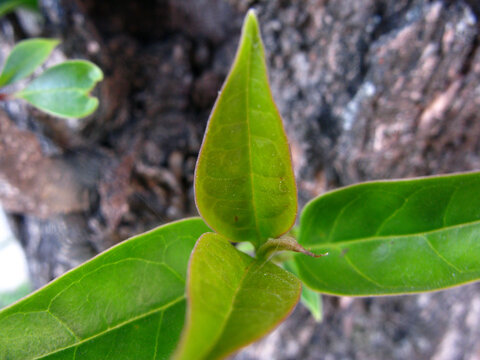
point(184, 291)
point(62, 90)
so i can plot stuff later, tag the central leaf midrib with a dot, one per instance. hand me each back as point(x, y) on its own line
point(386, 237)
point(230, 310)
point(249, 135)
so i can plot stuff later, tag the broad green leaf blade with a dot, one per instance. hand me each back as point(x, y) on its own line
point(7, 6)
point(127, 303)
point(233, 299)
point(393, 237)
point(25, 57)
point(244, 183)
point(62, 90)
point(309, 298)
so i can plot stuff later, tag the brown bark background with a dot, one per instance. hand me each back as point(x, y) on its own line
point(367, 89)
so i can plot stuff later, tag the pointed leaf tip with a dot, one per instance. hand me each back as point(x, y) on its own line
point(244, 183)
point(251, 27)
point(251, 16)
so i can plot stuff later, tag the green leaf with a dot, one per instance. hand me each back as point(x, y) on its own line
point(25, 57)
point(313, 302)
point(7, 6)
point(62, 90)
point(393, 237)
point(309, 298)
point(244, 183)
point(127, 303)
point(233, 299)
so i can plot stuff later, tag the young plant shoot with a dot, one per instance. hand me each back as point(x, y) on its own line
point(183, 291)
point(62, 90)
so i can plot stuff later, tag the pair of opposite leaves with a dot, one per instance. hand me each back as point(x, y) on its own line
point(245, 190)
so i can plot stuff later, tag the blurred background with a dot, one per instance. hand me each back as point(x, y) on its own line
point(367, 90)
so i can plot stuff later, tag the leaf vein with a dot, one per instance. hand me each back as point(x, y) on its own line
point(361, 273)
point(135, 318)
point(440, 256)
point(340, 244)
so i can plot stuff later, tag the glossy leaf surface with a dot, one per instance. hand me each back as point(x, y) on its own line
point(127, 303)
point(244, 182)
point(393, 237)
point(233, 299)
point(62, 90)
point(25, 57)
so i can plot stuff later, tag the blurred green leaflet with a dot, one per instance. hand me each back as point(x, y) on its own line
point(7, 6)
point(62, 90)
point(393, 237)
point(25, 57)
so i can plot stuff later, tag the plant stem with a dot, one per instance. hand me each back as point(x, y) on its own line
point(284, 242)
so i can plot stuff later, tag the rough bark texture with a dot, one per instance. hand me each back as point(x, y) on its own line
point(368, 89)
